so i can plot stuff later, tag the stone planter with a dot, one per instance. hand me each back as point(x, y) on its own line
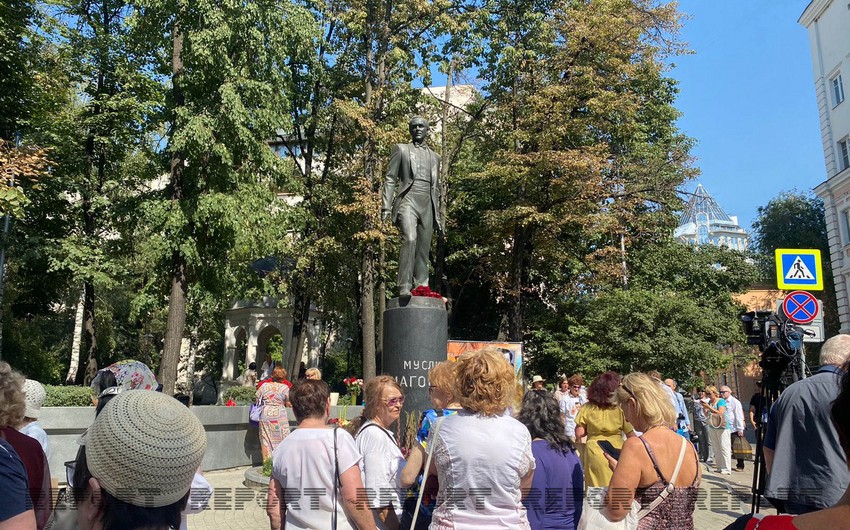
point(231, 440)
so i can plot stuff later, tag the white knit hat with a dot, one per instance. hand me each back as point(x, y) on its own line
point(145, 447)
point(35, 395)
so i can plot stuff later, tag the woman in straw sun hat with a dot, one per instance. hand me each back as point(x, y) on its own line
point(35, 395)
point(537, 382)
point(137, 464)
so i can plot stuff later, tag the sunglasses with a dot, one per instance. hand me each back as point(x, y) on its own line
point(395, 402)
point(577, 386)
point(628, 391)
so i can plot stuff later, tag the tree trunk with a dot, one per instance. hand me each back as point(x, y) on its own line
point(518, 280)
point(177, 299)
point(367, 312)
point(299, 336)
point(186, 364)
point(176, 324)
point(89, 339)
point(382, 304)
point(76, 343)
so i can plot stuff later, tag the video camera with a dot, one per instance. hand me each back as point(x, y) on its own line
point(781, 345)
point(779, 340)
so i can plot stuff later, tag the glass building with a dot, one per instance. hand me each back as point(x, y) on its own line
point(705, 223)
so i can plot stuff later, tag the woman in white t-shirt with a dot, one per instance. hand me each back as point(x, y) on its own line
point(482, 457)
point(302, 492)
point(382, 459)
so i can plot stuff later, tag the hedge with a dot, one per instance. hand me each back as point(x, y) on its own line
point(242, 395)
point(67, 396)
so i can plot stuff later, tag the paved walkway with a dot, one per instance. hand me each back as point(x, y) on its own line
point(722, 499)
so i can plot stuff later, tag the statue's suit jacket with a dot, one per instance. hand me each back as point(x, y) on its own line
point(400, 173)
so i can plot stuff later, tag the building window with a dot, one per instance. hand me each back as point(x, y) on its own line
point(837, 90)
point(844, 154)
point(846, 216)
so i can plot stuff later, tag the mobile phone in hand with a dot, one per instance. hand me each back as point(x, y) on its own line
point(609, 449)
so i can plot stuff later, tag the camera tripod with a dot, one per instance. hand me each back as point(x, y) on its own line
point(772, 386)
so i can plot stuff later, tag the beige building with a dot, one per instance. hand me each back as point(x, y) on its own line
point(828, 23)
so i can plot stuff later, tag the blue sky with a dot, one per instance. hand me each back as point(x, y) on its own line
point(747, 97)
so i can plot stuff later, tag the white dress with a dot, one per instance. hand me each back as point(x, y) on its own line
point(381, 467)
point(34, 430)
point(303, 464)
point(480, 462)
point(569, 408)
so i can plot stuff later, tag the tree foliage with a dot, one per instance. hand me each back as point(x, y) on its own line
point(561, 177)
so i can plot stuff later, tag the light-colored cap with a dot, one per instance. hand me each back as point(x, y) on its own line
point(145, 447)
point(35, 395)
point(537, 379)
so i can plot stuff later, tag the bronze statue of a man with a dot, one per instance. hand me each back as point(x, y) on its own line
point(414, 169)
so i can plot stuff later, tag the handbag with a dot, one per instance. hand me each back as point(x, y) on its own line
point(254, 412)
point(592, 517)
point(741, 448)
point(717, 421)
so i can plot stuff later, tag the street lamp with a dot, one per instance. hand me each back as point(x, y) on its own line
point(349, 343)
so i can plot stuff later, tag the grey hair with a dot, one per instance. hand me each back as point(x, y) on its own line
point(835, 351)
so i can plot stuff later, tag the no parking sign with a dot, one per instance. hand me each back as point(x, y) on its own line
point(801, 307)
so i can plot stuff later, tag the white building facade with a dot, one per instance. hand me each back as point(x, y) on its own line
point(828, 23)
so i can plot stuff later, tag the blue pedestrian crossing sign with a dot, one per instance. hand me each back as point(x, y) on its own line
point(799, 269)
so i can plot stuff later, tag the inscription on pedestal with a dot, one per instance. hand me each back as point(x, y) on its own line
point(415, 340)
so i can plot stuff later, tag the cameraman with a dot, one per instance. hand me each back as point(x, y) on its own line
point(806, 466)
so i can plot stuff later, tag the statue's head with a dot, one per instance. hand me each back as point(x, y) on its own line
point(418, 129)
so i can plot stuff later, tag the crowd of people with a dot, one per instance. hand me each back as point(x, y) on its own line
point(623, 449)
point(484, 460)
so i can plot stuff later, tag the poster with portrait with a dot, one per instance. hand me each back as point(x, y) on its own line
point(512, 352)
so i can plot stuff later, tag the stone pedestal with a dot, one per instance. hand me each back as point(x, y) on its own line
point(415, 339)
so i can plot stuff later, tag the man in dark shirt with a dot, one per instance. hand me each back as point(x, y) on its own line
point(16, 507)
point(756, 408)
point(806, 465)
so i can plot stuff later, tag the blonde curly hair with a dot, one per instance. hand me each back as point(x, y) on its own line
point(12, 399)
point(486, 383)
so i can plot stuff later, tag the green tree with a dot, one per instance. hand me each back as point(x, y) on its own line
point(226, 64)
point(795, 219)
point(676, 316)
point(106, 126)
point(585, 158)
point(351, 98)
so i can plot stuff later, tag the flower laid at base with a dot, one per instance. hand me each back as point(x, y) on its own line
point(342, 420)
point(424, 290)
